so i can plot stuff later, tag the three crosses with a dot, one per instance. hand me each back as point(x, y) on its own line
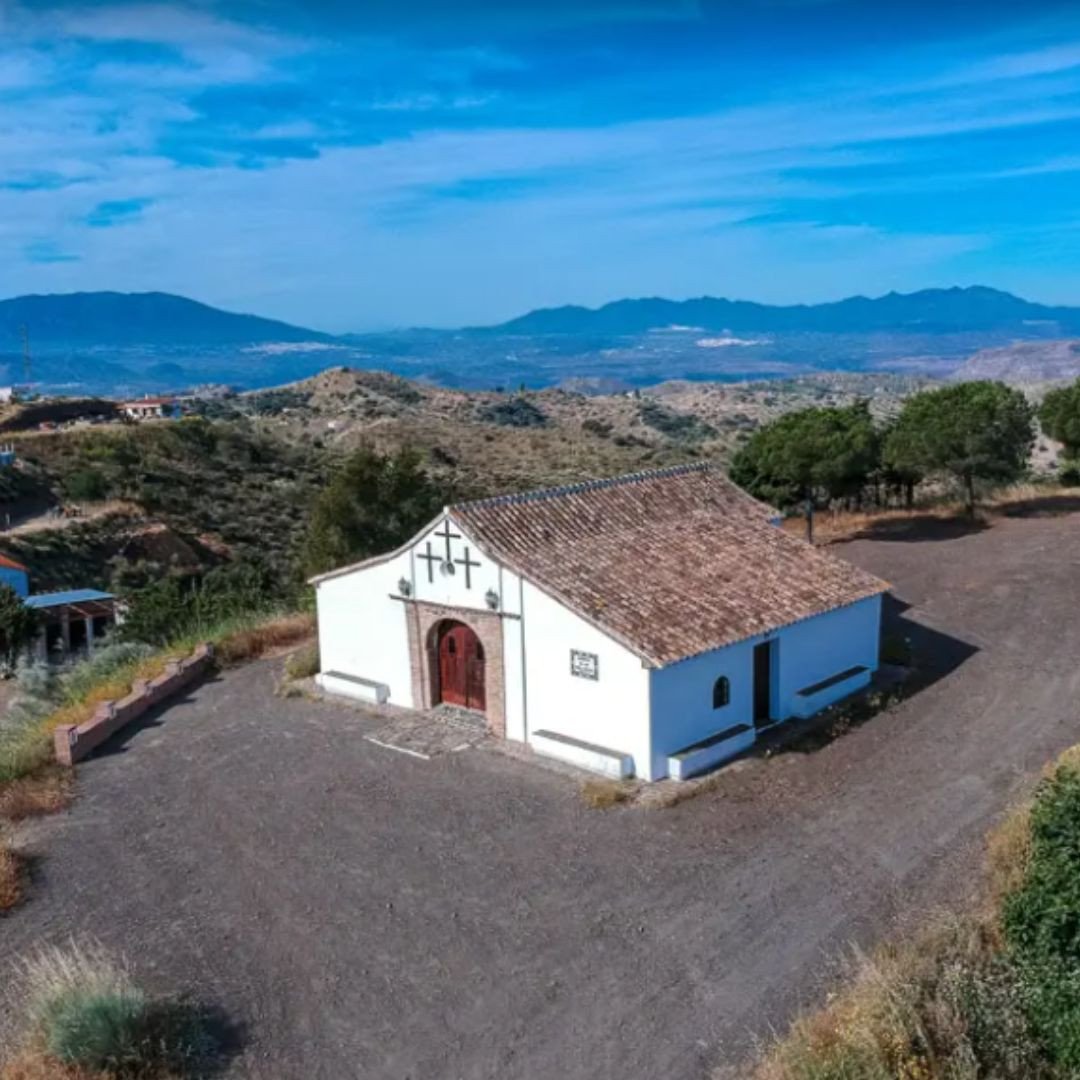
point(431, 558)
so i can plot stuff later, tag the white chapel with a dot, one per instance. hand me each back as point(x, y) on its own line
point(648, 625)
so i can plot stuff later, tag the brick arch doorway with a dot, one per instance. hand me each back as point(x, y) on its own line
point(460, 666)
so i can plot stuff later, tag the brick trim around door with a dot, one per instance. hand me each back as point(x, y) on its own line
point(422, 618)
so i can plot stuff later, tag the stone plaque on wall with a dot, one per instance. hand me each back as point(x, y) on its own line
point(584, 665)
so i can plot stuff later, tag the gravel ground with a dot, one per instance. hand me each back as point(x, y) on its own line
point(361, 913)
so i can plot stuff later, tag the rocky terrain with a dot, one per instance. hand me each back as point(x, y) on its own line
point(1025, 363)
point(495, 441)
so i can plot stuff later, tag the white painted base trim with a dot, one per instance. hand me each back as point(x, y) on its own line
point(351, 686)
point(709, 753)
point(597, 759)
point(805, 705)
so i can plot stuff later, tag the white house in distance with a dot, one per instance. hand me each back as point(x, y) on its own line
point(149, 408)
point(647, 625)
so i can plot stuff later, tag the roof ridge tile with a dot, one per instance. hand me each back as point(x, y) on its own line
point(542, 494)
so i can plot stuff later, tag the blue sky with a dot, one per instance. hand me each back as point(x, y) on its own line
point(375, 163)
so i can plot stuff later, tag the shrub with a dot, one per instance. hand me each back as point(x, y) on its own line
point(945, 1006)
point(18, 625)
point(1041, 919)
point(1070, 475)
point(178, 608)
point(304, 663)
point(87, 1011)
point(107, 661)
point(682, 427)
point(86, 485)
point(515, 412)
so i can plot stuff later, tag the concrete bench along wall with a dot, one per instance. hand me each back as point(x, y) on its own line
point(73, 742)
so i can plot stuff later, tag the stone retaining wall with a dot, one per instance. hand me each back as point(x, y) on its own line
point(72, 743)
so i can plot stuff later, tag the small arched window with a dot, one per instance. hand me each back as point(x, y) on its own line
point(721, 692)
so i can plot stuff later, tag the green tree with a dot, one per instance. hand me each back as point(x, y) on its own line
point(86, 485)
point(897, 477)
point(18, 625)
point(373, 504)
point(1060, 418)
point(810, 456)
point(970, 431)
point(179, 606)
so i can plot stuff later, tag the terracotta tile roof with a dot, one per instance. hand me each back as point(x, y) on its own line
point(671, 563)
point(10, 564)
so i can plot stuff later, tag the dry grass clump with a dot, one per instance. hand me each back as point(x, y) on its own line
point(84, 1018)
point(304, 663)
point(1008, 854)
point(44, 792)
point(601, 794)
point(265, 638)
point(12, 876)
point(943, 1006)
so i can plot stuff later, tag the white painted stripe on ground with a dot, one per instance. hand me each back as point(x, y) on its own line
point(399, 749)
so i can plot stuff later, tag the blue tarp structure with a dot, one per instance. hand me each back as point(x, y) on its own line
point(72, 596)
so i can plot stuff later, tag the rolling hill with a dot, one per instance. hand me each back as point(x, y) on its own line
point(1024, 363)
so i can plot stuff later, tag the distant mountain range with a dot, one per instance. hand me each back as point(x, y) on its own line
point(123, 343)
point(112, 318)
point(976, 308)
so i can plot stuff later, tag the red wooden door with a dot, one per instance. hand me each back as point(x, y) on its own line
point(461, 667)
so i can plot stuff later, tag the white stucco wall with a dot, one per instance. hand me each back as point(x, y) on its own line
point(612, 711)
point(804, 653)
point(362, 631)
point(681, 700)
point(819, 648)
point(453, 589)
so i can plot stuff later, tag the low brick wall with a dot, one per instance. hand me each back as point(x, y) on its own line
point(72, 743)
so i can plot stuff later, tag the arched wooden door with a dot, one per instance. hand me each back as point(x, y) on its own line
point(461, 667)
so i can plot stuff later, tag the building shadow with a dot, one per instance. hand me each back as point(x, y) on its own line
point(929, 656)
point(918, 528)
point(203, 1040)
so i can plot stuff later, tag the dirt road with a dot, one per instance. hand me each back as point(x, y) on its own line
point(367, 914)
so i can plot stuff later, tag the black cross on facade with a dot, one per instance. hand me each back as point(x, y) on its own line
point(431, 560)
point(447, 535)
point(468, 562)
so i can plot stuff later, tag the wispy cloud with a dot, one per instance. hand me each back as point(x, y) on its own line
point(405, 161)
point(106, 215)
point(46, 253)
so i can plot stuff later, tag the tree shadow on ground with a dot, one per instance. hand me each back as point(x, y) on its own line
point(932, 655)
point(1044, 506)
point(153, 718)
point(197, 1039)
point(921, 527)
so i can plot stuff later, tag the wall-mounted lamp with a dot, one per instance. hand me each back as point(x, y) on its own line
point(405, 587)
point(492, 599)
